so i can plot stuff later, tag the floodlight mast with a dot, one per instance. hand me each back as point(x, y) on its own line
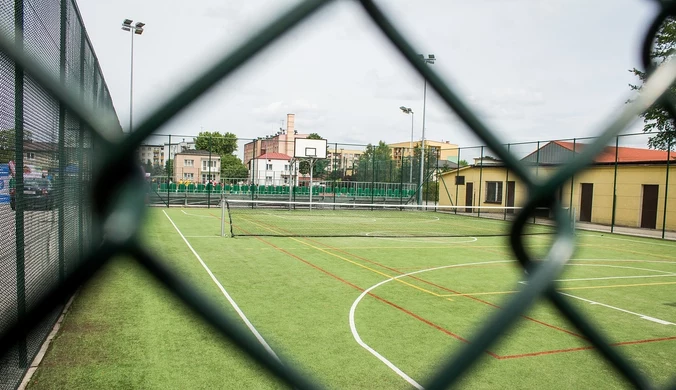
point(409, 110)
point(429, 60)
point(136, 29)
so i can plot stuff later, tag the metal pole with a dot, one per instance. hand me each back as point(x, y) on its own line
point(571, 209)
point(311, 169)
point(80, 146)
point(401, 180)
point(209, 178)
point(131, 80)
point(373, 176)
point(172, 171)
point(481, 174)
point(504, 214)
point(457, 173)
point(18, 183)
point(422, 144)
point(410, 151)
point(666, 190)
point(335, 169)
point(612, 218)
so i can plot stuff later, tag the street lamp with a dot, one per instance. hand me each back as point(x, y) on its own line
point(429, 60)
point(135, 29)
point(408, 110)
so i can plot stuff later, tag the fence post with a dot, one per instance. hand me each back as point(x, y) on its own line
point(80, 145)
point(612, 218)
point(537, 171)
point(426, 178)
point(481, 178)
point(172, 171)
point(60, 181)
point(504, 214)
point(335, 169)
point(401, 180)
point(572, 187)
point(209, 178)
point(18, 185)
point(457, 173)
point(666, 190)
point(373, 176)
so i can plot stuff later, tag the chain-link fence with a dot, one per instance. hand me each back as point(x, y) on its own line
point(48, 99)
point(46, 167)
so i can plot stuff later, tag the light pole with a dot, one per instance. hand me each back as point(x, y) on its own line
point(429, 60)
point(135, 29)
point(409, 110)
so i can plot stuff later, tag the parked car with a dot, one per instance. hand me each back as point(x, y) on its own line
point(37, 194)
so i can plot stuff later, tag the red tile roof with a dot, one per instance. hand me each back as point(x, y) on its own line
point(274, 156)
point(624, 154)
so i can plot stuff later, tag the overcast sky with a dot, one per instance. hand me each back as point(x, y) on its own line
point(534, 69)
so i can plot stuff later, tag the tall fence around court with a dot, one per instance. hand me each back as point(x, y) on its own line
point(46, 166)
point(190, 170)
point(50, 88)
point(627, 187)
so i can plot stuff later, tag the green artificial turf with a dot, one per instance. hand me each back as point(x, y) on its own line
point(125, 331)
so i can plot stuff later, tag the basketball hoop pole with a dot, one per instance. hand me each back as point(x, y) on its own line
point(311, 168)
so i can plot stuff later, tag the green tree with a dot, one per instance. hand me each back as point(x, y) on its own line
point(219, 144)
point(232, 167)
point(376, 164)
point(463, 163)
point(8, 144)
point(656, 120)
point(169, 167)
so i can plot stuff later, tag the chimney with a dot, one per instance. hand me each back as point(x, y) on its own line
point(290, 132)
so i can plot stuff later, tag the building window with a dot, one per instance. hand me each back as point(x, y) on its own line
point(188, 163)
point(207, 163)
point(286, 167)
point(493, 192)
point(268, 167)
point(30, 156)
point(188, 176)
point(460, 181)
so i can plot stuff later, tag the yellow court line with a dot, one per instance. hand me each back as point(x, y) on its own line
point(567, 288)
point(353, 262)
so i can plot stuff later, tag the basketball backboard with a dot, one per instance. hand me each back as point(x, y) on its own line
point(309, 148)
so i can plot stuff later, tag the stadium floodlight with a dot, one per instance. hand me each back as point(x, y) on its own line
point(136, 29)
point(409, 110)
point(429, 60)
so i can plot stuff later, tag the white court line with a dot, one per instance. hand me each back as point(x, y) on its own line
point(615, 277)
point(353, 326)
point(225, 293)
point(643, 316)
point(197, 215)
point(626, 239)
point(203, 236)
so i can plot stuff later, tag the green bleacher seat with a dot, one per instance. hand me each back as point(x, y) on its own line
point(218, 188)
point(396, 193)
point(236, 189)
point(181, 187)
point(245, 189)
point(172, 187)
point(343, 191)
point(200, 188)
point(351, 191)
point(360, 192)
point(279, 190)
point(163, 187)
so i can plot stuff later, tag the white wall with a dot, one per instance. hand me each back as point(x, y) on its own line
point(270, 172)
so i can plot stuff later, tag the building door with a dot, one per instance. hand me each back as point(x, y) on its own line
point(586, 196)
point(649, 206)
point(469, 196)
point(509, 202)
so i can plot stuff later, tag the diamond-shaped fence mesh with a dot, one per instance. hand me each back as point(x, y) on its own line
point(74, 207)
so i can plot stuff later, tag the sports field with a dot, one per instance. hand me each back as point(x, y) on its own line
point(360, 312)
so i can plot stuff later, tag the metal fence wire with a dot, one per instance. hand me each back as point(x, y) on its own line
point(55, 93)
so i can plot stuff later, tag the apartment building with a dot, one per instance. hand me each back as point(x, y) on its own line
point(445, 150)
point(197, 166)
point(282, 142)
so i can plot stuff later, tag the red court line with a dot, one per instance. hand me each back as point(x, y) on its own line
point(557, 351)
point(450, 290)
point(416, 316)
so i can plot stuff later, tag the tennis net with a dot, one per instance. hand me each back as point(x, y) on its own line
point(304, 219)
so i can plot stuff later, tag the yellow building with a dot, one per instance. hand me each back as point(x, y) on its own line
point(637, 186)
point(446, 151)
